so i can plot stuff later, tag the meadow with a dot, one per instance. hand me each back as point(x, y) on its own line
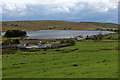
point(87, 59)
point(112, 37)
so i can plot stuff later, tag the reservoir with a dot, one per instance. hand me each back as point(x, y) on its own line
point(59, 34)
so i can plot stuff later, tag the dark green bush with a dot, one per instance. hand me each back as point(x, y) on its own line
point(10, 42)
point(6, 42)
point(15, 33)
point(70, 41)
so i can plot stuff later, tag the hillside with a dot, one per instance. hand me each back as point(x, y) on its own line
point(54, 25)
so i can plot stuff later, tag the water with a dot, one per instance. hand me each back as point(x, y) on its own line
point(58, 34)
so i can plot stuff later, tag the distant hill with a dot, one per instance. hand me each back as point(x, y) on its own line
point(55, 25)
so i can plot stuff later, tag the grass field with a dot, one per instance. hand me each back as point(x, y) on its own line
point(91, 60)
point(112, 37)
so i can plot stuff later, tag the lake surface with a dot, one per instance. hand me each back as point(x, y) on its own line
point(58, 34)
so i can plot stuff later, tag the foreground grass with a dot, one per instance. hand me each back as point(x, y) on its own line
point(91, 60)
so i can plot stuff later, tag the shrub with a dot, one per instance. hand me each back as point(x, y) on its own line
point(6, 42)
point(10, 42)
point(15, 33)
point(15, 41)
point(70, 41)
point(8, 51)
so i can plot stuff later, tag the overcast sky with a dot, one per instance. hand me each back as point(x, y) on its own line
point(69, 10)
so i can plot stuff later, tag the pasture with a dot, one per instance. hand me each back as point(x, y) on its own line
point(87, 59)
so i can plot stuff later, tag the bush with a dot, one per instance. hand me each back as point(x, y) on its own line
point(6, 42)
point(8, 51)
point(10, 42)
point(15, 33)
point(15, 41)
point(70, 41)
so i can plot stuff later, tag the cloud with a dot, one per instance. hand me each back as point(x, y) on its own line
point(71, 10)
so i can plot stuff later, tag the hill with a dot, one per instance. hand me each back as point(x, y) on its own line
point(55, 25)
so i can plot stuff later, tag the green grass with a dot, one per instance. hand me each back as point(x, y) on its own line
point(94, 60)
point(112, 37)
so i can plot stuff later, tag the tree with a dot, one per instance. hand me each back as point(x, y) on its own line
point(15, 33)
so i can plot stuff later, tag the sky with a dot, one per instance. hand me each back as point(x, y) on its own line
point(69, 10)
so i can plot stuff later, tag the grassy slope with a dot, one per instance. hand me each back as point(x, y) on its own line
point(113, 37)
point(91, 60)
point(54, 25)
